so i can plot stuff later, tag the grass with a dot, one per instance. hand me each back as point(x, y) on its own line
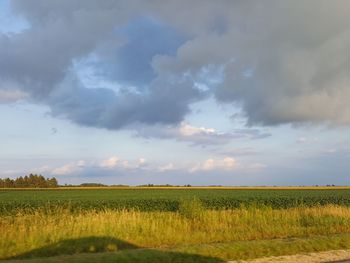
point(227, 233)
point(204, 253)
point(170, 225)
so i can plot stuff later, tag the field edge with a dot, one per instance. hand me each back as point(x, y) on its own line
point(215, 252)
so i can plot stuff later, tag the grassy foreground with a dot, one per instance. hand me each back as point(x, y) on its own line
point(192, 234)
point(205, 253)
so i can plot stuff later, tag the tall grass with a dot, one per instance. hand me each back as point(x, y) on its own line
point(190, 225)
point(191, 209)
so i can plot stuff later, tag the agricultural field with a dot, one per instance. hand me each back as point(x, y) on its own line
point(170, 225)
point(149, 199)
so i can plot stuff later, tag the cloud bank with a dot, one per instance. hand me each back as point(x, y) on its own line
point(115, 165)
point(197, 135)
point(280, 61)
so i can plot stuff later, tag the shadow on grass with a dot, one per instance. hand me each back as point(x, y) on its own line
point(87, 249)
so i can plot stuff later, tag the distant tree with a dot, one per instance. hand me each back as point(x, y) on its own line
point(41, 182)
point(31, 181)
point(19, 182)
point(8, 183)
point(52, 183)
point(26, 181)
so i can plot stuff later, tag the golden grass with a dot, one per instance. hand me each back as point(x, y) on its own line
point(26, 232)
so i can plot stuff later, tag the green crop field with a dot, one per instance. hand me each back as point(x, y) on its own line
point(168, 199)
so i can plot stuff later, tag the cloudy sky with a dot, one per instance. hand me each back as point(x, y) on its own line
point(201, 92)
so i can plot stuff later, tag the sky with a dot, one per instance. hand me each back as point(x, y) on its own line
point(200, 92)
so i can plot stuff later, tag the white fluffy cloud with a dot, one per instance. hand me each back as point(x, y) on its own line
point(188, 130)
point(70, 168)
point(226, 164)
point(110, 163)
point(116, 164)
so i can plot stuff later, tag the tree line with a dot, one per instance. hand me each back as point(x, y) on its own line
point(29, 181)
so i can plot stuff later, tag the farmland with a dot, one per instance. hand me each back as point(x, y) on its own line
point(170, 225)
point(169, 199)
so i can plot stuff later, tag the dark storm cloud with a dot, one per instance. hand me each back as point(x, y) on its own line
point(164, 103)
point(145, 38)
point(40, 61)
point(283, 61)
point(39, 57)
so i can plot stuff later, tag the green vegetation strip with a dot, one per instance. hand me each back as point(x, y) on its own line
point(207, 252)
point(167, 199)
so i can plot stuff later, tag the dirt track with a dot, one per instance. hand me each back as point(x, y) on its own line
point(342, 256)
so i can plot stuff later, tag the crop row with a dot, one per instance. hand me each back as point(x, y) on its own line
point(159, 204)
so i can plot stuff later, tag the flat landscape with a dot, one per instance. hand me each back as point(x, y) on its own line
point(175, 131)
point(170, 224)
